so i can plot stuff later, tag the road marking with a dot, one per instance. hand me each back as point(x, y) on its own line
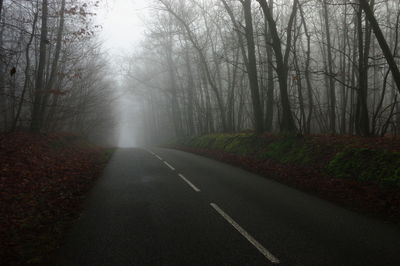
point(158, 157)
point(189, 183)
point(246, 235)
point(170, 166)
point(180, 175)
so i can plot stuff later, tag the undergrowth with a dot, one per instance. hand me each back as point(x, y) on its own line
point(354, 158)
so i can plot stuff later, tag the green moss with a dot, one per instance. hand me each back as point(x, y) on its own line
point(279, 149)
point(288, 150)
point(243, 144)
point(367, 164)
point(300, 153)
point(353, 163)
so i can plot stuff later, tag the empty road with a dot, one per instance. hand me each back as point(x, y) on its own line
point(167, 207)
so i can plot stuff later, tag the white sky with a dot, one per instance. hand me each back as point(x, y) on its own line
point(122, 24)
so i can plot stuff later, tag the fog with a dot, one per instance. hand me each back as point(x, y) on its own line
point(123, 29)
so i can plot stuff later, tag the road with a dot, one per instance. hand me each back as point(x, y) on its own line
point(167, 207)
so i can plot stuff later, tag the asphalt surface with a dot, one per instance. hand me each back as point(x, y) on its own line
point(168, 207)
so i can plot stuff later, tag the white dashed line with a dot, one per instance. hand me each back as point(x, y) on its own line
point(158, 157)
point(189, 183)
point(170, 166)
point(246, 235)
point(173, 169)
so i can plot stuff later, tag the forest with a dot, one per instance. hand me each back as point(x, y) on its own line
point(53, 76)
point(296, 66)
point(305, 67)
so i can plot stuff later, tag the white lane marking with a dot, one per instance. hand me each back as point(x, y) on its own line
point(189, 183)
point(158, 157)
point(180, 175)
point(149, 151)
point(170, 166)
point(246, 235)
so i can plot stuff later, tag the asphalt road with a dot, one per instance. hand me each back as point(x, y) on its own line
point(168, 207)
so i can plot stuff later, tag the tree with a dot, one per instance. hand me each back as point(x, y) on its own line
point(203, 60)
point(39, 87)
point(54, 67)
point(282, 62)
point(1, 7)
point(329, 62)
point(250, 61)
point(230, 50)
point(26, 81)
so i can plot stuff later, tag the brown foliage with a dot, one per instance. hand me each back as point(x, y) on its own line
point(43, 179)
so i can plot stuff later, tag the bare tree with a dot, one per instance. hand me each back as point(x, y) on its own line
point(282, 62)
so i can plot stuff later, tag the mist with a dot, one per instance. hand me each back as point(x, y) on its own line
point(122, 31)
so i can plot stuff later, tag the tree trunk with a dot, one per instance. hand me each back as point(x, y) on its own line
point(54, 66)
point(26, 81)
point(250, 61)
point(39, 86)
point(252, 69)
point(1, 8)
point(307, 129)
point(331, 93)
point(176, 114)
point(282, 69)
point(369, 14)
point(190, 89)
point(269, 108)
point(362, 118)
point(343, 72)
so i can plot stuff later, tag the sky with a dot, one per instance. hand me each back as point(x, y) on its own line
point(122, 22)
point(123, 27)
